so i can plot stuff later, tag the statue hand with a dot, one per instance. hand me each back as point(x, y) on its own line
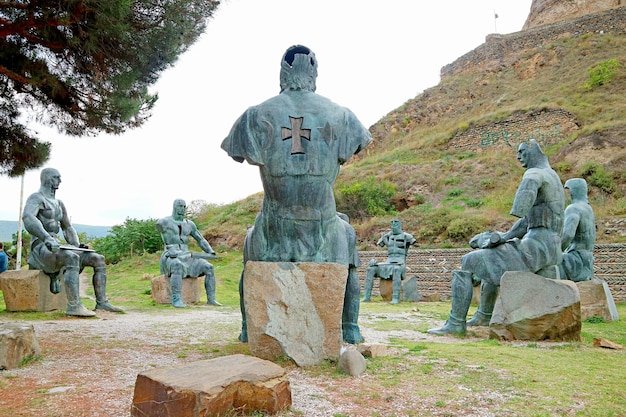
point(494, 240)
point(52, 244)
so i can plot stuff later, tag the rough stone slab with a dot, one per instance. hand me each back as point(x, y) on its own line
point(372, 350)
point(192, 290)
point(29, 290)
point(294, 309)
point(531, 307)
point(352, 362)
point(607, 344)
point(212, 387)
point(17, 342)
point(596, 300)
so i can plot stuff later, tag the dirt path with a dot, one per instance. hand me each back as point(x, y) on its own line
point(89, 366)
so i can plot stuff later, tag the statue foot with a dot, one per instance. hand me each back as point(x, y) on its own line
point(243, 336)
point(479, 319)
point(106, 306)
point(353, 337)
point(365, 300)
point(179, 304)
point(394, 301)
point(214, 303)
point(55, 285)
point(79, 311)
point(449, 328)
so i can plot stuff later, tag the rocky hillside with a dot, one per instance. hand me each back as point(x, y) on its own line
point(445, 161)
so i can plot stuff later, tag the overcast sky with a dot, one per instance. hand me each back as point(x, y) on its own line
point(373, 56)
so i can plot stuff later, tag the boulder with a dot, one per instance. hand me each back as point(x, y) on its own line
point(409, 290)
point(351, 362)
point(17, 342)
point(192, 290)
point(227, 385)
point(294, 309)
point(531, 307)
point(29, 290)
point(372, 350)
point(596, 300)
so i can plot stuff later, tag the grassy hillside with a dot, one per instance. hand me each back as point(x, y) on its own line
point(445, 196)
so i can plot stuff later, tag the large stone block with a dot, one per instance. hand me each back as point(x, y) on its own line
point(596, 300)
point(213, 387)
point(409, 290)
point(29, 290)
point(17, 342)
point(531, 307)
point(192, 290)
point(294, 309)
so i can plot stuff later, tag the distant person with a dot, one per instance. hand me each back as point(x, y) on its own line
point(531, 244)
point(4, 259)
point(177, 261)
point(44, 217)
point(579, 234)
point(299, 140)
point(398, 244)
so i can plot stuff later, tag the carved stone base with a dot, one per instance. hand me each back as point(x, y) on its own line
point(193, 288)
point(29, 290)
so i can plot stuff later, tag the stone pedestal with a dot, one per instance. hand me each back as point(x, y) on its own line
point(222, 386)
point(408, 291)
point(596, 300)
point(17, 342)
point(192, 290)
point(29, 290)
point(294, 309)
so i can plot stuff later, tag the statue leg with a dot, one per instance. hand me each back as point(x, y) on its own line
point(99, 286)
point(488, 295)
point(72, 290)
point(176, 282)
point(55, 283)
point(396, 284)
point(369, 284)
point(243, 336)
point(350, 315)
point(461, 299)
point(209, 286)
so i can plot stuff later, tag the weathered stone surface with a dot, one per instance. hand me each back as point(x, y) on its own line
point(212, 387)
point(193, 288)
point(607, 344)
point(29, 290)
point(531, 307)
point(351, 362)
point(410, 291)
point(17, 342)
point(596, 300)
point(372, 350)
point(294, 309)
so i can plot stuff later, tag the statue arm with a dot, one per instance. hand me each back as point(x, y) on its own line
point(66, 225)
point(526, 194)
point(518, 230)
point(202, 242)
point(33, 225)
point(572, 219)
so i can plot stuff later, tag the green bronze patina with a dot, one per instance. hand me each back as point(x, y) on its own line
point(532, 244)
point(299, 140)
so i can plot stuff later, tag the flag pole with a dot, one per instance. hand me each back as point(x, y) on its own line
point(18, 257)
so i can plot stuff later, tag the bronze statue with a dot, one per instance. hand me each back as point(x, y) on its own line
point(298, 139)
point(177, 261)
point(579, 234)
point(398, 243)
point(44, 217)
point(532, 244)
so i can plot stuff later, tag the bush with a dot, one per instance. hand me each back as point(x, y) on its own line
point(596, 176)
point(601, 73)
point(464, 228)
point(371, 197)
point(132, 238)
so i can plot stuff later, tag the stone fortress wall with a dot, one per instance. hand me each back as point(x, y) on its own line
point(501, 50)
point(433, 268)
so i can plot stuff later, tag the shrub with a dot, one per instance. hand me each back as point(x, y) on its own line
point(371, 197)
point(596, 176)
point(132, 238)
point(464, 228)
point(601, 73)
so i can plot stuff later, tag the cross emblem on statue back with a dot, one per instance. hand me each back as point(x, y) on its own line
point(296, 133)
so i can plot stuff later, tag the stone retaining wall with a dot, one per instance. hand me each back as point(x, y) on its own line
point(433, 268)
